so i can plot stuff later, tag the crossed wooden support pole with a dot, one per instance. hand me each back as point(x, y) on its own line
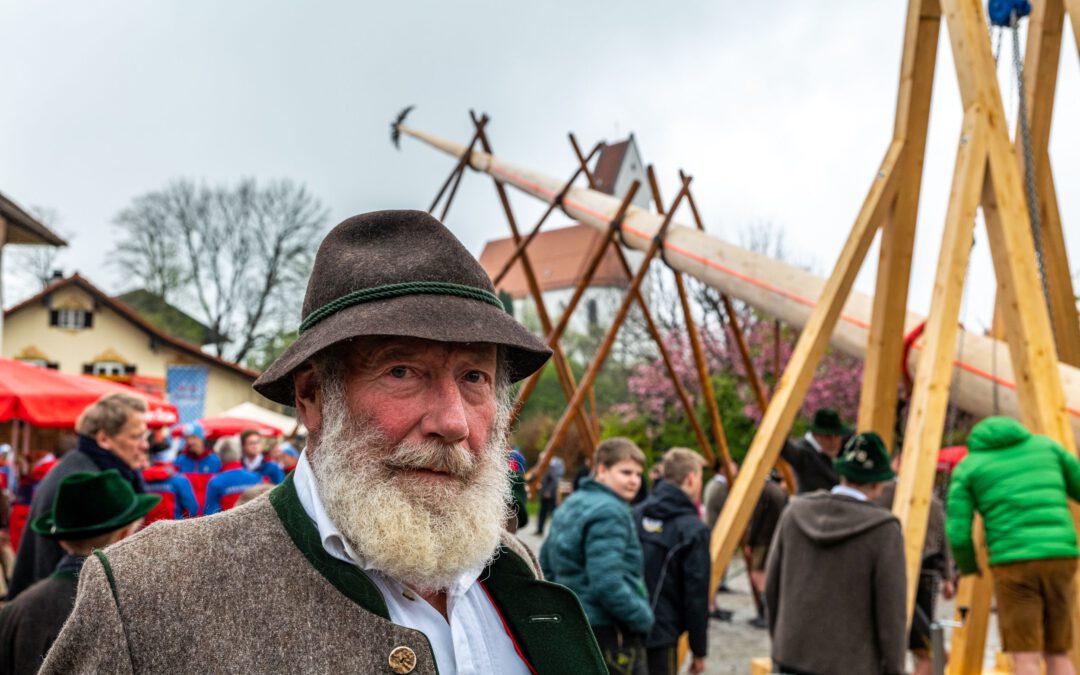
point(987, 174)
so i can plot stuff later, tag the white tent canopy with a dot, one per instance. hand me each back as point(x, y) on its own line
point(257, 413)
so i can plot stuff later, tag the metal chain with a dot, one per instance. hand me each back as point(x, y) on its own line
point(1029, 166)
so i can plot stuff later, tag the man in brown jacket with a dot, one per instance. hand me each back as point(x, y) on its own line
point(383, 552)
point(835, 589)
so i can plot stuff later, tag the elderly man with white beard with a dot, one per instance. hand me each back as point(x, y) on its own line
point(383, 552)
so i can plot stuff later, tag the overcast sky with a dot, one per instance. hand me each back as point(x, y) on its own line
point(781, 111)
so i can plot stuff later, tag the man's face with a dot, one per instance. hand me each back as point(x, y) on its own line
point(409, 456)
point(416, 390)
point(623, 477)
point(130, 443)
point(195, 445)
point(692, 485)
point(830, 443)
point(252, 446)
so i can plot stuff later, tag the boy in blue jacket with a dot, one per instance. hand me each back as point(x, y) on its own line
point(593, 549)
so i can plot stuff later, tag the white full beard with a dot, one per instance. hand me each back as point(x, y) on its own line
point(423, 534)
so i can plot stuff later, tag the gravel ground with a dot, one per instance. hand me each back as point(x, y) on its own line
point(732, 645)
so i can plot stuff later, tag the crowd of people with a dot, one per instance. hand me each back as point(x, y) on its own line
point(386, 543)
point(116, 469)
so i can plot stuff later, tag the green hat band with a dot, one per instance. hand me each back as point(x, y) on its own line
point(396, 291)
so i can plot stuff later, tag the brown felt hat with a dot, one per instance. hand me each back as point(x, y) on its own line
point(399, 273)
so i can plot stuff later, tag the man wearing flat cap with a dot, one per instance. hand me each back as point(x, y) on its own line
point(383, 552)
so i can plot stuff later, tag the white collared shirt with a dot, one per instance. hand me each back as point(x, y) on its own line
point(809, 437)
point(252, 464)
point(849, 492)
point(472, 641)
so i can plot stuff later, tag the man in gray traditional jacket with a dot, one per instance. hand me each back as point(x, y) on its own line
point(383, 551)
point(834, 585)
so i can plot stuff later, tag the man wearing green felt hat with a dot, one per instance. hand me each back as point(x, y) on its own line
point(90, 511)
point(811, 457)
point(384, 551)
point(840, 555)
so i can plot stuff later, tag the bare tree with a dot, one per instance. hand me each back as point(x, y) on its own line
point(238, 255)
point(34, 265)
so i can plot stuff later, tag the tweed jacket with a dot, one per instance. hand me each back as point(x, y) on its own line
point(834, 588)
point(279, 603)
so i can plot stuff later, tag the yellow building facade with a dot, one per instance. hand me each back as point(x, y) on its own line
point(75, 327)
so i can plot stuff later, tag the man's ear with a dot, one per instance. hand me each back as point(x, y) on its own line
point(308, 396)
point(102, 439)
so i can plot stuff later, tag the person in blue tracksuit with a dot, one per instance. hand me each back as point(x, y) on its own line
point(196, 458)
point(251, 445)
point(165, 479)
point(225, 488)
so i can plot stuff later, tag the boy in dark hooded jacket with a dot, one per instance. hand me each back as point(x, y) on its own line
point(835, 590)
point(675, 543)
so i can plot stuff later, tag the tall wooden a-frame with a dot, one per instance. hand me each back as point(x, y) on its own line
point(988, 174)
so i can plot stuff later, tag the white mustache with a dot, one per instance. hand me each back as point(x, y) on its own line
point(453, 459)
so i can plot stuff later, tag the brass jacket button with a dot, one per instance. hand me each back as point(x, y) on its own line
point(402, 660)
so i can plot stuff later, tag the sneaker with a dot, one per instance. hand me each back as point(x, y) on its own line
point(722, 615)
point(758, 622)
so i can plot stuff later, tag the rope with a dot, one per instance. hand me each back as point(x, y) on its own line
point(396, 291)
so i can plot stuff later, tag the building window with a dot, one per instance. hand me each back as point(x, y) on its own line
point(109, 369)
point(41, 363)
point(72, 319)
point(592, 311)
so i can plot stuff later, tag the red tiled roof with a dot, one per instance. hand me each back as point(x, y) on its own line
point(126, 311)
point(559, 258)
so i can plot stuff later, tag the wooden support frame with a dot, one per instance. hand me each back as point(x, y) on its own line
point(881, 370)
point(565, 374)
point(791, 388)
point(631, 296)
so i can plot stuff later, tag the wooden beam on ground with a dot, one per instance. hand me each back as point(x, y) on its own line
point(809, 350)
point(885, 342)
point(930, 394)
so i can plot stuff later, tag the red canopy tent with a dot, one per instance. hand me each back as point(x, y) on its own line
point(216, 427)
point(49, 398)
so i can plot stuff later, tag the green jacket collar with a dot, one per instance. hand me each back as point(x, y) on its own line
point(545, 619)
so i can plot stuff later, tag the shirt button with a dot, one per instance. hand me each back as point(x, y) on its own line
point(402, 660)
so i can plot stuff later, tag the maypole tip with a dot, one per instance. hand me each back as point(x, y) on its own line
point(395, 131)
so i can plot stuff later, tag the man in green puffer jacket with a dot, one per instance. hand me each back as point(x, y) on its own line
point(1020, 483)
point(593, 549)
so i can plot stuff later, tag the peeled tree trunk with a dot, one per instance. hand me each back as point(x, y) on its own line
point(983, 382)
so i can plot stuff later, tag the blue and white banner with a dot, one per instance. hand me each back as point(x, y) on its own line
point(186, 388)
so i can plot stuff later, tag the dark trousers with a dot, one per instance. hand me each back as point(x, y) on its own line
point(624, 653)
point(547, 505)
point(663, 660)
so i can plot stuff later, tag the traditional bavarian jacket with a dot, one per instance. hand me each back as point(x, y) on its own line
point(316, 614)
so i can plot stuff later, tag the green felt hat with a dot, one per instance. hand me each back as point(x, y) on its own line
point(865, 460)
point(91, 504)
point(827, 423)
